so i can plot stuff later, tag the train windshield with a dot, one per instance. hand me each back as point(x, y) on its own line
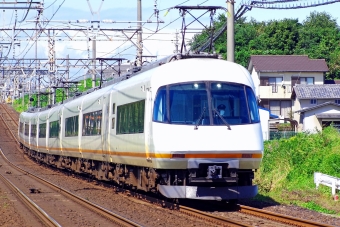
point(206, 103)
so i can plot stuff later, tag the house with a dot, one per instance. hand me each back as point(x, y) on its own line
point(316, 106)
point(274, 77)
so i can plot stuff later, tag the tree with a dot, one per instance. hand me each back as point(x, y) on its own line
point(320, 39)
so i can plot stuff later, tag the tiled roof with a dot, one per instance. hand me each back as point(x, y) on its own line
point(328, 116)
point(287, 63)
point(320, 91)
point(317, 106)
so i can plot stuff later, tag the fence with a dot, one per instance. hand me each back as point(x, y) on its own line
point(281, 134)
point(333, 182)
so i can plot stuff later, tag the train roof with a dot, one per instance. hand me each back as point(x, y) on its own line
point(133, 71)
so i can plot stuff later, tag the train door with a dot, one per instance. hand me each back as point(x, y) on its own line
point(112, 146)
point(149, 151)
point(105, 126)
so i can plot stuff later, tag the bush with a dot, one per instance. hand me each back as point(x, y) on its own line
point(291, 163)
point(284, 127)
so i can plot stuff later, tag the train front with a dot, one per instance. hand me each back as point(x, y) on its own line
point(206, 138)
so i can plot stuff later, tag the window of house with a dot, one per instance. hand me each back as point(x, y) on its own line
point(302, 80)
point(337, 101)
point(281, 107)
point(313, 101)
point(307, 80)
point(275, 82)
point(274, 107)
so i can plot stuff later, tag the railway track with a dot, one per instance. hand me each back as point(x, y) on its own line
point(222, 221)
point(33, 207)
point(280, 217)
point(50, 192)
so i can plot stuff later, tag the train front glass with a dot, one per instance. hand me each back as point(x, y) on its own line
point(206, 103)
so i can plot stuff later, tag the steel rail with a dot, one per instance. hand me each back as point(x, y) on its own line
point(115, 218)
point(14, 137)
point(221, 221)
point(280, 217)
point(36, 210)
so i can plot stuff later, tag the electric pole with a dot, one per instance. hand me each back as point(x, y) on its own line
point(230, 31)
point(139, 33)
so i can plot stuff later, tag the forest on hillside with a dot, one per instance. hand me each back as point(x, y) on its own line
point(318, 36)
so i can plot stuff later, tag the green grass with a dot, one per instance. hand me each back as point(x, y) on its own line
point(286, 174)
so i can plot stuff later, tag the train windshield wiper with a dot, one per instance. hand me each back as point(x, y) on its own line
point(223, 120)
point(200, 119)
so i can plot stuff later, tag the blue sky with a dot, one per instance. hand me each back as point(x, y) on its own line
point(129, 7)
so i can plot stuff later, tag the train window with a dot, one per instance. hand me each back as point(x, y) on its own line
point(113, 108)
point(92, 123)
point(187, 103)
point(33, 130)
point(54, 129)
point(42, 130)
point(21, 127)
point(26, 129)
point(230, 101)
point(159, 111)
point(252, 103)
point(130, 118)
point(113, 122)
point(71, 126)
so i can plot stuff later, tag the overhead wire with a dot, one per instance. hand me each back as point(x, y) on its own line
point(23, 19)
point(41, 29)
point(147, 38)
point(50, 5)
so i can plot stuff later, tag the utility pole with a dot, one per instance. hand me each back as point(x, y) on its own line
point(51, 58)
point(139, 33)
point(68, 75)
point(176, 42)
point(230, 31)
point(36, 56)
point(94, 50)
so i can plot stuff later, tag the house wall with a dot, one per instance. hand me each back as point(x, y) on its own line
point(302, 104)
point(256, 80)
point(305, 103)
point(311, 123)
point(297, 116)
point(284, 89)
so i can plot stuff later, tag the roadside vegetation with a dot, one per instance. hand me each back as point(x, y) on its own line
point(286, 174)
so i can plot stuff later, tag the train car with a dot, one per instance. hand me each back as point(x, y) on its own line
point(186, 127)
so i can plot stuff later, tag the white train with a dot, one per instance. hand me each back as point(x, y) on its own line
point(185, 128)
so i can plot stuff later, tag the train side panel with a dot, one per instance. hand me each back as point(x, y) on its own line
point(127, 146)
